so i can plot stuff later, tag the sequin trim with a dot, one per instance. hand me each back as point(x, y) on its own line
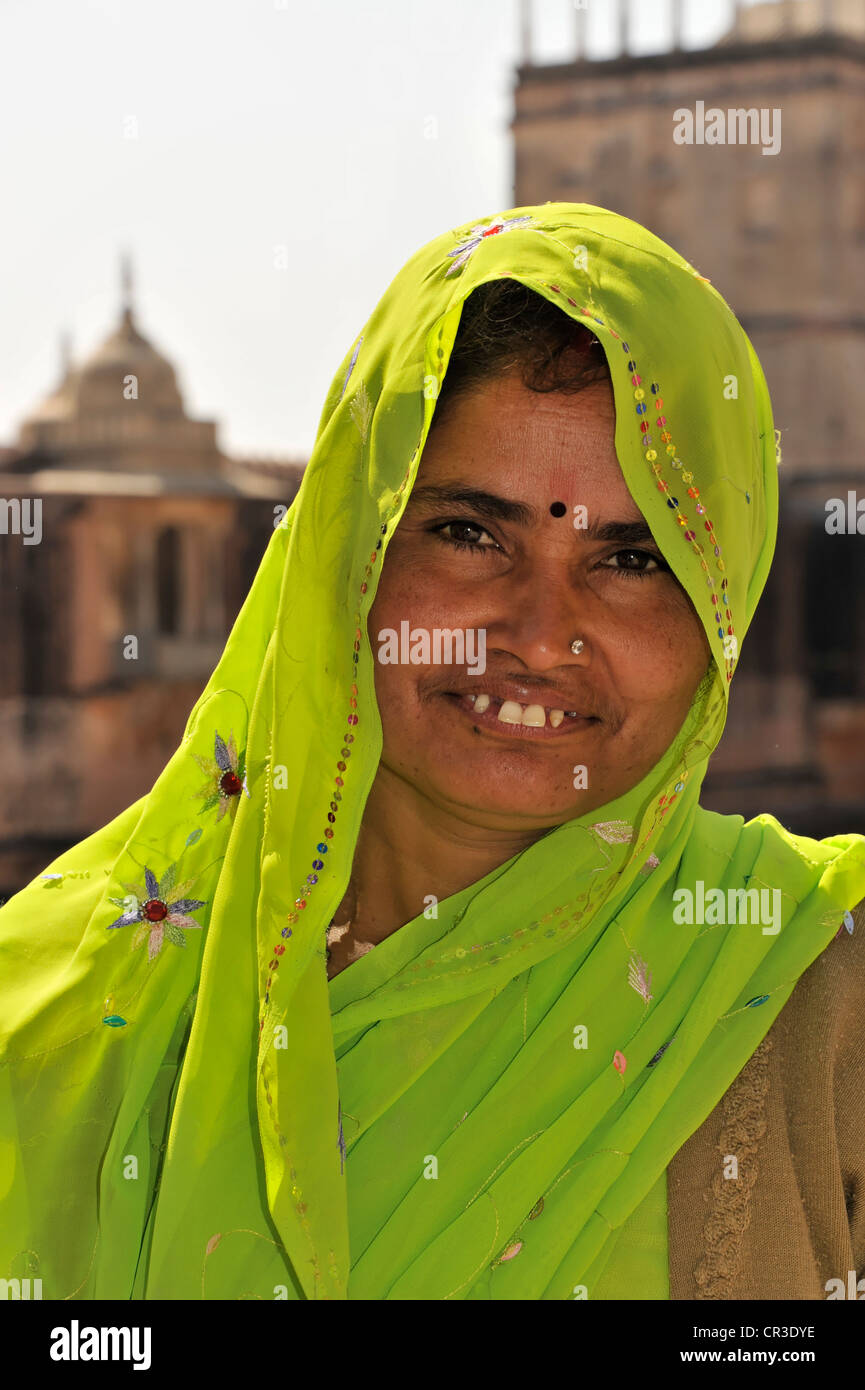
point(318, 863)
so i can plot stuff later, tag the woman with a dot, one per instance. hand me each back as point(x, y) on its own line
point(459, 729)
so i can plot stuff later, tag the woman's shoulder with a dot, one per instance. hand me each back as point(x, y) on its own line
point(819, 1063)
point(832, 990)
point(794, 1118)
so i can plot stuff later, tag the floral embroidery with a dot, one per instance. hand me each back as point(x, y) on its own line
point(615, 832)
point(640, 977)
point(511, 1252)
point(160, 911)
point(620, 1061)
point(651, 863)
point(477, 234)
point(660, 1052)
point(340, 1142)
point(113, 1019)
point(361, 410)
point(847, 924)
point(55, 880)
point(351, 365)
point(226, 776)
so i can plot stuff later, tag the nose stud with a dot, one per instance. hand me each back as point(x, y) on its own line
point(577, 646)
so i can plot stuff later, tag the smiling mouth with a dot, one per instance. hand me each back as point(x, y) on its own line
point(511, 717)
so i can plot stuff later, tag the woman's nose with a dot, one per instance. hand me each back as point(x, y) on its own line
point(545, 622)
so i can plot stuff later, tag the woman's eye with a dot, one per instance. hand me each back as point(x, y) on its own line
point(463, 535)
point(637, 562)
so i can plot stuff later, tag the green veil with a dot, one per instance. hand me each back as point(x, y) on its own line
point(188, 1108)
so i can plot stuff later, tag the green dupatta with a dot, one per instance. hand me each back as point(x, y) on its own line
point(189, 1109)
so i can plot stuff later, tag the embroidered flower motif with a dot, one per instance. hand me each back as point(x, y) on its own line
point(615, 832)
point(511, 1252)
point(351, 365)
point(360, 410)
point(160, 911)
point(847, 925)
point(660, 1052)
point(56, 880)
point(340, 1142)
point(477, 234)
point(226, 776)
point(651, 863)
point(114, 1020)
point(640, 977)
point(620, 1061)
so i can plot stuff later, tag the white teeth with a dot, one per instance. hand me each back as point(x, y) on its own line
point(535, 716)
point(510, 713)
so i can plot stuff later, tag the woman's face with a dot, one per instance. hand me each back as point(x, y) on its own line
point(500, 563)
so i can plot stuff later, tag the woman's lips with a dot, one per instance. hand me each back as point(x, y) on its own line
point(518, 720)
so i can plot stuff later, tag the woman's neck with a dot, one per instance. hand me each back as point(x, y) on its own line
point(410, 850)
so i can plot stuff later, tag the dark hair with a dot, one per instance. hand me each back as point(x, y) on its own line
point(506, 326)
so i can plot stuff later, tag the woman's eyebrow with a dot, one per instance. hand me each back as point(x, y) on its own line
point(486, 504)
point(495, 508)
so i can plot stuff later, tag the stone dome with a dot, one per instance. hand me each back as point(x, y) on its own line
point(61, 403)
point(121, 409)
point(101, 384)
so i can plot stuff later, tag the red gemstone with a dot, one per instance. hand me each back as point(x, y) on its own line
point(230, 784)
point(154, 911)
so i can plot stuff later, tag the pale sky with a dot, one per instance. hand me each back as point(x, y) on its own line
point(203, 134)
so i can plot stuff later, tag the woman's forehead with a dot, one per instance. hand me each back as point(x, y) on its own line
point(538, 447)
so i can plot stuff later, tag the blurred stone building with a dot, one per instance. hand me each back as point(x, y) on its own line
point(782, 237)
point(149, 532)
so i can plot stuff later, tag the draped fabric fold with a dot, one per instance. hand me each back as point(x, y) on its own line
point(478, 1107)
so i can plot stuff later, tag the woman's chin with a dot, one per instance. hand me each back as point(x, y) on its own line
point(503, 786)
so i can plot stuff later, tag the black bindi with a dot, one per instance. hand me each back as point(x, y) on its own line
point(558, 509)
